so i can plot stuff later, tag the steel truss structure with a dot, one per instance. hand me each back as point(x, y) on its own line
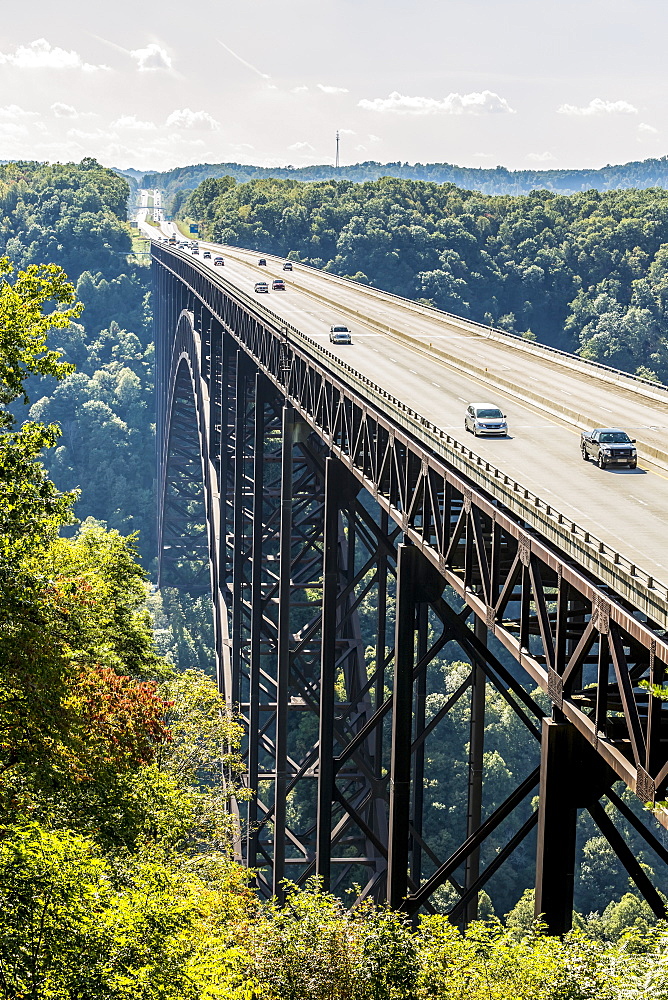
point(350, 566)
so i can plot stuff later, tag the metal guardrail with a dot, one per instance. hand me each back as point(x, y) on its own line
point(544, 517)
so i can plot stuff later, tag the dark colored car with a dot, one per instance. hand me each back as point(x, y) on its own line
point(218, 261)
point(262, 262)
point(609, 446)
point(287, 266)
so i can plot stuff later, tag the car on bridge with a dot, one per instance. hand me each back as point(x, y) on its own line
point(261, 286)
point(608, 446)
point(287, 266)
point(262, 262)
point(278, 285)
point(339, 334)
point(485, 419)
point(207, 255)
point(219, 261)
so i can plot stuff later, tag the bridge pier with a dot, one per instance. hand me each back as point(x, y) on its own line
point(311, 476)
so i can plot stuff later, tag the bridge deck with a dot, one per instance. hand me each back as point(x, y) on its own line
point(627, 509)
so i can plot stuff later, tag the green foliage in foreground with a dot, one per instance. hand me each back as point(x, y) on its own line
point(73, 924)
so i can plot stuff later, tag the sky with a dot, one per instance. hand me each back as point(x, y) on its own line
point(520, 83)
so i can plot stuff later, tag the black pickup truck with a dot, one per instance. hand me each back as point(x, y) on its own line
point(608, 446)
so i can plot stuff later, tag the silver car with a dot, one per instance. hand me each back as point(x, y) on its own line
point(339, 334)
point(485, 419)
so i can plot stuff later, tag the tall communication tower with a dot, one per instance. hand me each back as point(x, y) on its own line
point(337, 149)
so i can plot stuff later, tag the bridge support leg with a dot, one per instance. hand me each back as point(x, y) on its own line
point(572, 776)
point(255, 657)
point(417, 581)
point(283, 652)
point(476, 752)
point(557, 818)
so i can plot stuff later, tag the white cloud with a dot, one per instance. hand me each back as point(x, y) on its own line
point(346, 131)
point(299, 90)
point(132, 122)
point(98, 134)
point(12, 130)
point(61, 110)
point(484, 102)
point(12, 112)
point(647, 129)
point(332, 90)
point(302, 147)
point(598, 107)
point(540, 157)
point(374, 138)
point(41, 55)
point(484, 156)
point(191, 119)
point(151, 58)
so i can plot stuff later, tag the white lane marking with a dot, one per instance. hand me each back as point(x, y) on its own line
point(394, 361)
point(462, 400)
point(436, 384)
point(412, 371)
point(643, 502)
point(607, 410)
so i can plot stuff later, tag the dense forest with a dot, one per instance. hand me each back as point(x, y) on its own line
point(489, 180)
point(116, 872)
point(586, 272)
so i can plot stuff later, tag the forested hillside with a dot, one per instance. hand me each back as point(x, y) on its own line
point(488, 180)
point(586, 272)
point(117, 877)
point(75, 216)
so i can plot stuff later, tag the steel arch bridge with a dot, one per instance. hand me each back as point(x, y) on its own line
point(353, 552)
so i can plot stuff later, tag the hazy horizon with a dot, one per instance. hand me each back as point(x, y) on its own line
point(567, 85)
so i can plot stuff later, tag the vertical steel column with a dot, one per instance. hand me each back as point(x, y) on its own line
point(238, 553)
point(283, 653)
point(557, 820)
point(257, 610)
point(419, 755)
point(476, 760)
point(402, 718)
point(334, 471)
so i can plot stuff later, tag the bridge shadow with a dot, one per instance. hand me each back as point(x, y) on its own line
point(628, 472)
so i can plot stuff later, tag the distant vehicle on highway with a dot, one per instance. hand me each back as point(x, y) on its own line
point(262, 262)
point(195, 250)
point(207, 255)
point(609, 446)
point(219, 261)
point(485, 419)
point(340, 334)
point(287, 266)
point(278, 285)
point(261, 286)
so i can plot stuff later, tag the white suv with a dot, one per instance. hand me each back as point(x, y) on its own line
point(340, 335)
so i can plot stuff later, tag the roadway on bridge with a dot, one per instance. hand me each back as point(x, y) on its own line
point(626, 508)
